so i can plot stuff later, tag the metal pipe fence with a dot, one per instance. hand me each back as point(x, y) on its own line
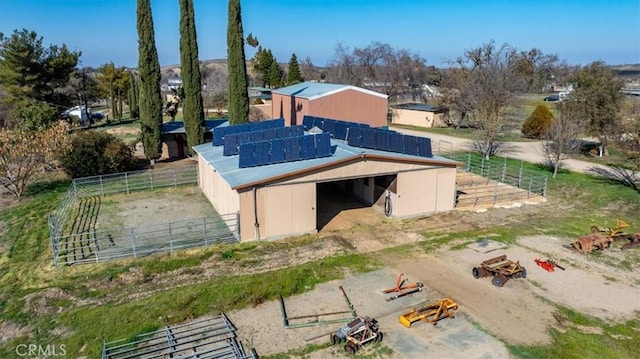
point(493, 181)
point(93, 246)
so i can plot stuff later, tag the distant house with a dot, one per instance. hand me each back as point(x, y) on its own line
point(174, 137)
point(418, 114)
point(346, 102)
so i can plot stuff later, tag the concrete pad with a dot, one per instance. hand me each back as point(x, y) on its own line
point(485, 245)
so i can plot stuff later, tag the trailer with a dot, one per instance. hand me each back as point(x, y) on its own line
point(430, 312)
point(501, 269)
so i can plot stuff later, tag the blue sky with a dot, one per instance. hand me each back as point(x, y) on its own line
point(578, 31)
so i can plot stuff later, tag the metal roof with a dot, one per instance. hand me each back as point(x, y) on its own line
point(237, 178)
point(418, 107)
point(175, 127)
point(313, 90)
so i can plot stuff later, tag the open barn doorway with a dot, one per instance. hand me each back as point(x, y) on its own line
point(342, 204)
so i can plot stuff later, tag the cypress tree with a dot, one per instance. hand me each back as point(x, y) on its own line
point(134, 109)
point(150, 99)
point(293, 72)
point(236, 63)
point(192, 108)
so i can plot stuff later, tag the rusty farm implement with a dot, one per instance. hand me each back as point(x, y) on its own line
point(501, 269)
point(403, 288)
point(431, 312)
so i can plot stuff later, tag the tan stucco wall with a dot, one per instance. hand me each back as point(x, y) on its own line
point(217, 190)
point(423, 192)
point(283, 211)
point(416, 118)
point(291, 109)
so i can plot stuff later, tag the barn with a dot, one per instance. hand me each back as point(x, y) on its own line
point(346, 102)
point(418, 114)
point(276, 177)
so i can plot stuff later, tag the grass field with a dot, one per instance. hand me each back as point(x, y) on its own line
point(80, 306)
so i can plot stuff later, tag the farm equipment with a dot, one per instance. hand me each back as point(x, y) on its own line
point(430, 313)
point(501, 269)
point(549, 265)
point(402, 289)
point(590, 242)
point(358, 332)
point(615, 232)
point(315, 318)
point(634, 241)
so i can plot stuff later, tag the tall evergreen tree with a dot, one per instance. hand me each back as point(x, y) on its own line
point(192, 108)
point(293, 73)
point(134, 108)
point(149, 77)
point(238, 93)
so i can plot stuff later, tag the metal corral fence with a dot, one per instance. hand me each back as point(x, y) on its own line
point(108, 244)
point(492, 181)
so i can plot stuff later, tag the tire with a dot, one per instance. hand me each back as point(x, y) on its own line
point(379, 337)
point(350, 348)
point(523, 274)
point(335, 339)
point(498, 280)
point(475, 272)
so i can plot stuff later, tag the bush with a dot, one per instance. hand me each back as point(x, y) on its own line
point(96, 153)
point(538, 123)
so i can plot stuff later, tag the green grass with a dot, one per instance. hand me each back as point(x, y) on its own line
point(576, 202)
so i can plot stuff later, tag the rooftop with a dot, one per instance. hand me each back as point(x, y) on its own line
point(313, 90)
point(418, 107)
point(175, 127)
point(237, 178)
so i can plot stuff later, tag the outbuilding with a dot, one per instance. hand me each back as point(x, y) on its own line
point(174, 137)
point(418, 114)
point(272, 176)
point(346, 102)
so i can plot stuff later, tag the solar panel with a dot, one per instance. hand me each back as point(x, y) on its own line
point(369, 138)
point(292, 149)
point(261, 126)
point(282, 132)
point(382, 140)
point(307, 147)
point(307, 122)
point(354, 136)
point(340, 131)
point(424, 147)
point(318, 122)
point(262, 153)
point(218, 134)
point(276, 151)
point(257, 136)
point(244, 137)
point(411, 145)
point(329, 127)
point(396, 142)
point(296, 131)
point(270, 134)
point(246, 158)
point(230, 145)
point(323, 145)
point(276, 123)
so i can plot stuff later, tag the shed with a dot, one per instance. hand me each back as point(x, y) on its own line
point(346, 102)
point(278, 195)
point(174, 137)
point(418, 114)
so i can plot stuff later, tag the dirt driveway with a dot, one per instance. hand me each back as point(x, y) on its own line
point(520, 313)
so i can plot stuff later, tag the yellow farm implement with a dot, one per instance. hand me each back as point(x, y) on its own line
point(430, 313)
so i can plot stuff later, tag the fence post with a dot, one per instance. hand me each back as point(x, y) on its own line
point(544, 186)
point(95, 242)
point(530, 183)
point(151, 178)
point(238, 226)
point(482, 166)
point(520, 174)
point(132, 237)
point(170, 239)
point(75, 189)
point(101, 186)
point(204, 224)
point(468, 162)
point(126, 181)
point(504, 169)
point(495, 193)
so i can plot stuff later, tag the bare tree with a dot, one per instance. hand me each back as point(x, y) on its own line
point(487, 81)
point(562, 137)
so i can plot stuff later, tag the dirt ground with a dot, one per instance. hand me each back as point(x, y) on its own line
point(520, 313)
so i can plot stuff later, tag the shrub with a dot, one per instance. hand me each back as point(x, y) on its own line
point(538, 123)
point(96, 153)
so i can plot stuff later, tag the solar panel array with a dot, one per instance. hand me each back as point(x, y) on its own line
point(232, 141)
point(364, 136)
point(287, 149)
point(220, 132)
